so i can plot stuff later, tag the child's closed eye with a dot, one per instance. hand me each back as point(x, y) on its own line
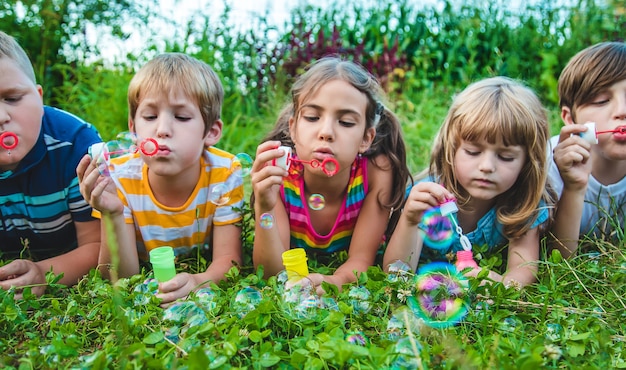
point(13, 98)
point(310, 118)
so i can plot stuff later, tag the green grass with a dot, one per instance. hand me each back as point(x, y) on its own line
point(573, 317)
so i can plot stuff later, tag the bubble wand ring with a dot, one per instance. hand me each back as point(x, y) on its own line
point(8, 135)
point(142, 147)
point(145, 151)
point(330, 166)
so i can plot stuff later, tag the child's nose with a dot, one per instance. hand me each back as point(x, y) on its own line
point(327, 132)
point(164, 127)
point(487, 163)
point(620, 110)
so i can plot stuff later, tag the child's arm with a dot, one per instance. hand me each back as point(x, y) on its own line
point(76, 263)
point(101, 193)
point(73, 264)
point(406, 242)
point(226, 250)
point(572, 157)
point(523, 256)
point(269, 243)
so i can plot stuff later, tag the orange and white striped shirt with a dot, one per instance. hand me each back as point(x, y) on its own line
point(189, 225)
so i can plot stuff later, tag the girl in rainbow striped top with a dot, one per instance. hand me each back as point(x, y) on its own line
point(336, 115)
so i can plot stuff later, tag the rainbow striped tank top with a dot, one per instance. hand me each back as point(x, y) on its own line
point(302, 233)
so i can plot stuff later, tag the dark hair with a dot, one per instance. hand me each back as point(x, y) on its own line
point(388, 140)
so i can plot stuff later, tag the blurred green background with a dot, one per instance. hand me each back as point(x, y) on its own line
point(422, 54)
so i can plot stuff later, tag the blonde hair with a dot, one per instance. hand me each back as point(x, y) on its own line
point(176, 70)
point(492, 109)
point(589, 72)
point(388, 140)
point(9, 48)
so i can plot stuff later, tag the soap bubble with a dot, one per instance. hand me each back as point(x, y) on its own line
point(360, 299)
point(218, 195)
point(300, 301)
point(266, 221)
point(437, 230)
point(403, 322)
point(246, 300)
point(356, 338)
point(440, 297)
point(317, 202)
point(408, 358)
point(145, 291)
point(554, 332)
point(126, 139)
point(398, 271)
point(242, 164)
point(206, 299)
point(509, 324)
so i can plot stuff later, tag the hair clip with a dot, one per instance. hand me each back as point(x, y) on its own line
point(380, 108)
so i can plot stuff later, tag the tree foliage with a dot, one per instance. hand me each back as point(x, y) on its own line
point(55, 32)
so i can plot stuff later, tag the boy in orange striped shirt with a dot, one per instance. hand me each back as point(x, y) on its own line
point(163, 199)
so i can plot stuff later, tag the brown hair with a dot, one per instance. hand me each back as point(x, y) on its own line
point(388, 140)
point(491, 109)
point(198, 81)
point(590, 72)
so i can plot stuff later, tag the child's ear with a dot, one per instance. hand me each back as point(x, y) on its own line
point(292, 135)
point(214, 134)
point(131, 125)
point(368, 139)
point(567, 116)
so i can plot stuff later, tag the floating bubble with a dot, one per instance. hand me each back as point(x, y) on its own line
point(357, 338)
point(126, 139)
point(246, 300)
point(360, 299)
point(242, 164)
point(509, 324)
point(440, 297)
point(218, 195)
point(403, 322)
point(329, 303)
point(300, 302)
point(266, 221)
point(437, 230)
point(206, 299)
point(408, 354)
point(317, 202)
point(398, 271)
point(146, 291)
point(181, 311)
point(554, 332)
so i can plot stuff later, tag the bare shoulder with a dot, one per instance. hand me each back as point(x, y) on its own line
point(379, 172)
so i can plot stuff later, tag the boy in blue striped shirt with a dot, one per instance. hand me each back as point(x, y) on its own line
point(45, 224)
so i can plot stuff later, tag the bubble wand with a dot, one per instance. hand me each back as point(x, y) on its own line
point(101, 153)
point(591, 135)
point(8, 140)
point(464, 258)
point(330, 166)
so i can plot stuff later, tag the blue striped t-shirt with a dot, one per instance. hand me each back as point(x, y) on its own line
point(40, 200)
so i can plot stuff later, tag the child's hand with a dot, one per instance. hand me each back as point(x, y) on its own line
point(571, 156)
point(315, 282)
point(266, 178)
point(20, 273)
point(424, 195)
point(98, 190)
point(177, 287)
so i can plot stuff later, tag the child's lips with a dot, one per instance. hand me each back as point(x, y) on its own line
point(620, 133)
